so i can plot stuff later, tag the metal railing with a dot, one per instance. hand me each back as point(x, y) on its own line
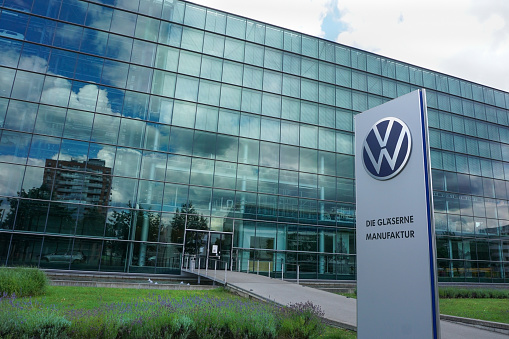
point(271, 268)
point(195, 263)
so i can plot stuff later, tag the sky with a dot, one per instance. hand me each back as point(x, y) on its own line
point(468, 39)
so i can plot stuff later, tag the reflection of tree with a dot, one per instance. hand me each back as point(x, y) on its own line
point(93, 221)
point(128, 225)
point(194, 221)
point(28, 213)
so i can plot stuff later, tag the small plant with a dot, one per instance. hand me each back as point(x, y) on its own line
point(214, 314)
point(22, 281)
point(475, 293)
point(301, 320)
point(21, 318)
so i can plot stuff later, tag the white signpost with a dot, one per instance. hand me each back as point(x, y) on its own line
point(397, 294)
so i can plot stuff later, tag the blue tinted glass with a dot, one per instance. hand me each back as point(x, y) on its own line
point(114, 73)
point(68, 36)
point(43, 148)
point(119, 47)
point(49, 8)
point(40, 30)
point(115, 100)
point(14, 147)
point(89, 68)
point(123, 22)
point(11, 51)
point(23, 6)
point(151, 7)
point(13, 24)
point(99, 17)
point(34, 58)
point(94, 42)
point(21, 116)
point(73, 11)
point(135, 105)
point(62, 63)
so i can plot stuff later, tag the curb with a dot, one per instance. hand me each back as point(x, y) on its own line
point(129, 285)
point(482, 324)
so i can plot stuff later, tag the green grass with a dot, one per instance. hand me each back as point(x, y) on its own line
point(484, 309)
point(484, 304)
point(337, 333)
point(22, 281)
point(88, 298)
point(89, 312)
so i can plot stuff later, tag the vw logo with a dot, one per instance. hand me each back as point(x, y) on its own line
point(386, 148)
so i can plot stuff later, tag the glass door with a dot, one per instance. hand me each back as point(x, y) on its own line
point(207, 250)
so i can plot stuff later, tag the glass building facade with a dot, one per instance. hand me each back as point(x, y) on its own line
point(135, 133)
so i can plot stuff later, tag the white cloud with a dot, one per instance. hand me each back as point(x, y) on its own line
point(450, 37)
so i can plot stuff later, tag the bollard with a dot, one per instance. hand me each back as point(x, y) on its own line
point(199, 258)
point(282, 270)
point(258, 267)
point(269, 269)
point(225, 270)
point(298, 274)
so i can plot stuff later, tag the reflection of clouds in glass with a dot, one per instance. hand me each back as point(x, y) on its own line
point(99, 17)
point(56, 91)
point(20, 116)
point(10, 56)
point(107, 154)
point(84, 98)
point(67, 33)
point(67, 157)
point(123, 191)
point(12, 175)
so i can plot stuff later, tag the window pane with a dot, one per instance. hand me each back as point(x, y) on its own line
point(20, 116)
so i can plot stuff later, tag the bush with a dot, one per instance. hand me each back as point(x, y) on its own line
point(473, 293)
point(24, 319)
point(158, 317)
point(301, 321)
point(22, 281)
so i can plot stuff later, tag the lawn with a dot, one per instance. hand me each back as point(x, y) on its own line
point(90, 312)
point(87, 298)
point(464, 305)
point(484, 309)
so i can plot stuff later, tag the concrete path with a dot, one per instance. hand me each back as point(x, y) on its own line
point(338, 309)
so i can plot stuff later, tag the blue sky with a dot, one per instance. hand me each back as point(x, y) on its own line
point(464, 38)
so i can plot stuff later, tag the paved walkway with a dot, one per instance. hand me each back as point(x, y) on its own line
point(338, 309)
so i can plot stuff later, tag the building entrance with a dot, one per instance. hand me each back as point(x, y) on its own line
point(207, 250)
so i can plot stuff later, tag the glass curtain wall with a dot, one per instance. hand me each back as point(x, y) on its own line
point(126, 125)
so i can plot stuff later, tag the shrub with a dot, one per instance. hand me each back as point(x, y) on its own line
point(23, 319)
point(301, 321)
point(473, 293)
point(22, 281)
point(158, 317)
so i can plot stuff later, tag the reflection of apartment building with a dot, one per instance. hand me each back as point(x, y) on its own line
point(86, 182)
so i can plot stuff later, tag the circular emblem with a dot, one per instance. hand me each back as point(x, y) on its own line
point(386, 148)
